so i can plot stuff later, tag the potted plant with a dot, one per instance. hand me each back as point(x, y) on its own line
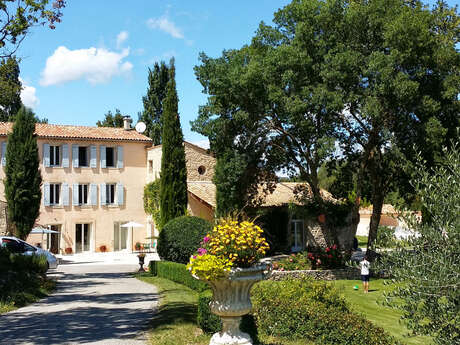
point(103, 248)
point(141, 257)
point(228, 261)
point(137, 246)
point(68, 250)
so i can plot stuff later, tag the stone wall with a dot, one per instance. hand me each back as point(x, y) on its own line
point(347, 273)
point(200, 164)
point(3, 219)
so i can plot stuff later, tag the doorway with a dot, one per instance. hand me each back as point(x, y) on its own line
point(297, 236)
point(120, 237)
point(82, 237)
point(53, 240)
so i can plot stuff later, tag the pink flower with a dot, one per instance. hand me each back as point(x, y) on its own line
point(194, 256)
point(290, 260)
point(201, 251)
point(206, 239)
point(334, 247)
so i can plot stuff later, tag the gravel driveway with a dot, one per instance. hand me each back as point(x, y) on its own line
point(95, 303)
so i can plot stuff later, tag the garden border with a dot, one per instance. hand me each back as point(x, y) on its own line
point(334, 274)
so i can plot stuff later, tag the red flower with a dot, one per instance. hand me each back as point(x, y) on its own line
point(334, 247)
point(328, 249)
point(329, 256)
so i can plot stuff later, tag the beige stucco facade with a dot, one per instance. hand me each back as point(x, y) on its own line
point(81, 215)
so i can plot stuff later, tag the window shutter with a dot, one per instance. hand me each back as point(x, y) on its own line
point(93, 193)
point(93, 157)
point(75, 155)
point(46, 194)
point(46, 155)
point(65, 156)
point(65, 194)
point(4, 153)
point(75, 195)
point(120, 157)
point(103, 194)
point(120, 194)
point(103, 154)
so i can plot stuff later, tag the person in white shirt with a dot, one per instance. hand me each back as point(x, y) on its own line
point(365, 265)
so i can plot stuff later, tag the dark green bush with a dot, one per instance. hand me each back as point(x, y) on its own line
point(153, 268)
point(311, 310)
point(178, 273)
point(181, 237)
point(207, 321)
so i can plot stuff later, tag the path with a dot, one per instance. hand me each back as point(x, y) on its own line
point(95, 303)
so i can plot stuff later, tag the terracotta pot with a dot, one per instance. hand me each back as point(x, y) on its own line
point(231, 300)
point(322, 218)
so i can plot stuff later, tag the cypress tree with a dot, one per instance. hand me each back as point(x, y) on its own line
point(173, 186)
point(23, 178)
point(153, 101)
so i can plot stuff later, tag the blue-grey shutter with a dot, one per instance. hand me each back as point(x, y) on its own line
point(102, 152)
point(46, 194)
point(120, 194)
point(93, 157)
point(120, 157)
point(103, 194)
point(75, 194)
point(65, 156)
point(65, 194)
point(93, 193)
point(46, 155)
point(4, 153)
point(75, 156)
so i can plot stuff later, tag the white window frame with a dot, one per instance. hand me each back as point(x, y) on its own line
point(87, 158)
point(52, 197)
point(298, 226)
point(111, 194)
point(52, 155)
point(81, 194)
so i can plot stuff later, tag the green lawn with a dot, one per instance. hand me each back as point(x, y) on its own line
point(362, 241)
point(369, 305)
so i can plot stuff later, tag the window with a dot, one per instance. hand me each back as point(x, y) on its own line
point(82, 156)
point(297, 235)
point(55, 189)
point(201, 169)
point(83, 194)
point(55, 159)
point(150, 166)
point(110, 193)
point(110, 157)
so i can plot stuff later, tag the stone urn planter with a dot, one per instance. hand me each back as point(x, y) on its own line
point(231, 301)
point(141, 262)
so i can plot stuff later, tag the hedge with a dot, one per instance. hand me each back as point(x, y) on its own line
point(181, 237)
point(177, 273)
point(311, 310)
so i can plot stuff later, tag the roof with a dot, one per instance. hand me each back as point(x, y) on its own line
point(80, 132)
point(186, 143)
point(284, 193)
point(386, 209)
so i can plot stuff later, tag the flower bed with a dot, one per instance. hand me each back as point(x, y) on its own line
point(334, 274)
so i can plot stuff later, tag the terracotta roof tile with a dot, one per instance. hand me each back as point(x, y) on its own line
point(80, 132)
point(283, 194)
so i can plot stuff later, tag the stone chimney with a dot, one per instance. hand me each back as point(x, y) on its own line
point(127, 122)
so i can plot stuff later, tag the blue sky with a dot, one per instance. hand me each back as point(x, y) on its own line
point(97, 59)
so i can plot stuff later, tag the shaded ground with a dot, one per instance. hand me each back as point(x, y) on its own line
point(93, 304)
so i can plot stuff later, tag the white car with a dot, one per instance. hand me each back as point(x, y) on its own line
point(16, 245)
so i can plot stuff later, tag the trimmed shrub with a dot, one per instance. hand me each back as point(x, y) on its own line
point(153, 267)
point(178, 273)
point(181, 237)
point(207, 321)
point(311, 310)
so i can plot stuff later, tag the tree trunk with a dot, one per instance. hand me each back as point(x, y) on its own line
point(377, 205)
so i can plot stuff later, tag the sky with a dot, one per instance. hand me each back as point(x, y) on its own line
point(97, 59)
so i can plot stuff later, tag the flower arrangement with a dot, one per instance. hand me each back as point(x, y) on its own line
point(230, 244)
point(103, 248)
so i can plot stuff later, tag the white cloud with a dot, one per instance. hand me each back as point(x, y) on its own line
point(121, 37)
point(96, 65)
point(28, 96)
point(164, 24)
